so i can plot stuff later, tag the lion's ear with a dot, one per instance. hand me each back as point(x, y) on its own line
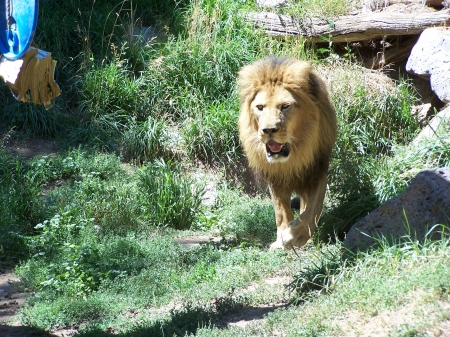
point(297, 75)
point(245, 82)
point(314, 85)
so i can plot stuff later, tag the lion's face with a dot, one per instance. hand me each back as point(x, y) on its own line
point(275, 112)
point(286, 118)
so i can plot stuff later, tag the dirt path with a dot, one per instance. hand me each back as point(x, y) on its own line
point(11, 299)
point(30, 148)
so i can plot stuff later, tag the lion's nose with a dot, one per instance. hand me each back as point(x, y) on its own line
point(270, 130)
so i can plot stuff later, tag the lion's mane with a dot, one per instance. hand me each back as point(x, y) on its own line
point(315, 132)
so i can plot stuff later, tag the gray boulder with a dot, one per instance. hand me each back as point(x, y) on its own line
point(272, 3)
point(430, 58)
point(424, 203)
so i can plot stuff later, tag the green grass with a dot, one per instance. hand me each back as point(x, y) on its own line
point(91, 229)
point(145, 141)
point(169, 198)
point(367, 114)
point(321, 9)
point(367, 294)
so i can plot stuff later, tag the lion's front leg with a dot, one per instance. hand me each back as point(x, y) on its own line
point(281, 199)
point(302, 229)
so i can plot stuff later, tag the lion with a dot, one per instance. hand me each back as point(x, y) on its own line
point(287, 126)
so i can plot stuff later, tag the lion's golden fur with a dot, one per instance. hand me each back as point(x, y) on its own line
point(315, 122)
point(287, 127)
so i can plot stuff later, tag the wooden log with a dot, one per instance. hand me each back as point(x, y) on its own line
point(349, 28)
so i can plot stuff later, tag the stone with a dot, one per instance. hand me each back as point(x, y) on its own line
point(430, 58)
point(422, 112)
point(429, 131)
point(424, 204)
point(145, 34)
point(272, 3)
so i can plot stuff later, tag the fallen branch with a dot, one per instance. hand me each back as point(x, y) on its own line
point(349, 28)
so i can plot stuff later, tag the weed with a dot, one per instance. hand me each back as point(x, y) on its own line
point(320, 275)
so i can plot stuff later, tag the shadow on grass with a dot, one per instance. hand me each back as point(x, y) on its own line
point(186, 321)
point(23, 331)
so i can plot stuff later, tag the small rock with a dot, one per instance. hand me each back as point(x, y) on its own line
point(422, 112)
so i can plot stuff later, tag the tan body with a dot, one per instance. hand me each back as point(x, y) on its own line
point(287, 126)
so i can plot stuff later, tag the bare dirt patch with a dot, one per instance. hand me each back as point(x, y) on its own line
point(252, 314)
point(30, 148)
point(416, 318)
point(11, 299)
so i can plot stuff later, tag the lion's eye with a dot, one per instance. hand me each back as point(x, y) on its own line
point(285, 106)
point(260, 107)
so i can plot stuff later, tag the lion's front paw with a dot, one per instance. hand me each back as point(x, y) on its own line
point(284, 241)
point(297, 234)
point(276, 245)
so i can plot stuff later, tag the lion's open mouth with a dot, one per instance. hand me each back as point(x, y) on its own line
point(275, 150)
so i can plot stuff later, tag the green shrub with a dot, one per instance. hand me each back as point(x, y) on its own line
point(20, 204)
point(146, 141)
point(211, 135)
point(371, 124)
point(170, 198)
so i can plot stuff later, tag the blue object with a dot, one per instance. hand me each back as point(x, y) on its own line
point(18, 20)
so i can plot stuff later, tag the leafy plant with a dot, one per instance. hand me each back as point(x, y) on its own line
point(73, 265)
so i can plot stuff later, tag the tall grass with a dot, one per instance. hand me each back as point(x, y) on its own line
point(211, 134)
point(169, 197)
point(314, 8)
point(20, 204)
point(373, 121)
point(189, 81)
point(145, 141)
